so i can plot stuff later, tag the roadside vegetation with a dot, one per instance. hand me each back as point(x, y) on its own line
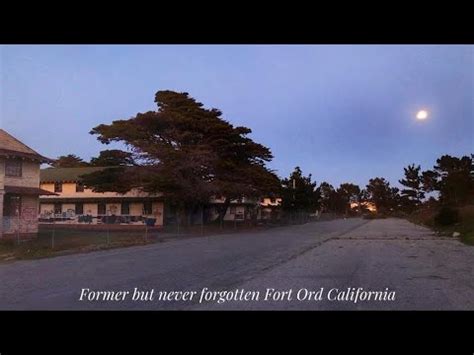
point(445, 223)
point(66, 242)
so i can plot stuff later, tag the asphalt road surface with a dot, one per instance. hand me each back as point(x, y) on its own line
point(351, 264)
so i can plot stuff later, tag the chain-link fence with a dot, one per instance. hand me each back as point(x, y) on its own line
point(68, 232)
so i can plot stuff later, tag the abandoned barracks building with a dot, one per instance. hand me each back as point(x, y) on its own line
point(19, 188)
point(76, 204)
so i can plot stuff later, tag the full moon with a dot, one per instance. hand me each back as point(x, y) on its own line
point(421, 115)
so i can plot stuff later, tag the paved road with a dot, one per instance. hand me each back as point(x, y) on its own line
point(406, 264)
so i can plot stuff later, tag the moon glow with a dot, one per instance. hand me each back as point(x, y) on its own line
point(422, 115)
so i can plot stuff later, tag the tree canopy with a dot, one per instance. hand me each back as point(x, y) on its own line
point(412, 194)
point(69, 161)
point(299, 193)
point(382, 194)
point(454, 179)
point(113, 157)
point(187, 152)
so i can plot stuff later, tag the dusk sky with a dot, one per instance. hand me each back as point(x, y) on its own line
point(342, 113)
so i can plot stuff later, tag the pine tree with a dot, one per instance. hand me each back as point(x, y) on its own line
point(412, 195)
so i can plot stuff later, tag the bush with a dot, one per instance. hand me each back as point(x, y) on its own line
point(447, 216)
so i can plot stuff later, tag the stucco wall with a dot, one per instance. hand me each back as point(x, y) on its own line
point(230, 217)
point(135, 209)
point(158, 211)
point(46, 208)
point(90, 209)
point(69, 191)
point(2, 182)
point(27, 222)
point(2, 173)
point(29, 178)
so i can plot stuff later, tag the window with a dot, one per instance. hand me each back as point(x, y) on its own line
point(232, 210)
point(58, 186)
point(79, 187)
point(101, 209)
point(13, 168)
point(11, 205)
point(125, 208)
point(79, 208)
point(272, 200)
point(147, 207)
point(58, 208)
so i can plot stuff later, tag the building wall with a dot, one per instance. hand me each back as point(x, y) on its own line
point(2, 173)
point(65, 207)
point(135, 209)
point(213, 214)
point(2, 184)
point(46, 208)
point(69, 191)
point(30, 175)
point(268, 202)
point(27, 222)
point(91, 209)
point(158, 212)
point(231, 216)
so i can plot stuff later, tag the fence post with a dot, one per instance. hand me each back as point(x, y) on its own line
point(54, 231)
point(108, 233)
point(18, 228)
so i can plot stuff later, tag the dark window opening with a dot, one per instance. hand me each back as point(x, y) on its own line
point(101, 209)
point(147, 207)
point(58, 186)
point(12, 205)
point(79, 208)
point(79, 187)
point(58, 208)
point(125, 208)
point(13, 168)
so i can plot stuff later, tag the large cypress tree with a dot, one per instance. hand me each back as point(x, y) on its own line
point(188, 153)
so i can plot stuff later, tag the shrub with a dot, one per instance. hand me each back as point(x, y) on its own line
point(447, 216)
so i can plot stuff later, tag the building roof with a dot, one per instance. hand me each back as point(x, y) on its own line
point(21, 190)
point(10, 146)
point(66, 174)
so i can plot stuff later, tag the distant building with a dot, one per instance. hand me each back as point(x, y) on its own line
point(75, 203)
point(19, 188)
point(270, 208)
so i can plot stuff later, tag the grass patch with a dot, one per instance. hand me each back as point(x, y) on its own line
point(68, 241)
